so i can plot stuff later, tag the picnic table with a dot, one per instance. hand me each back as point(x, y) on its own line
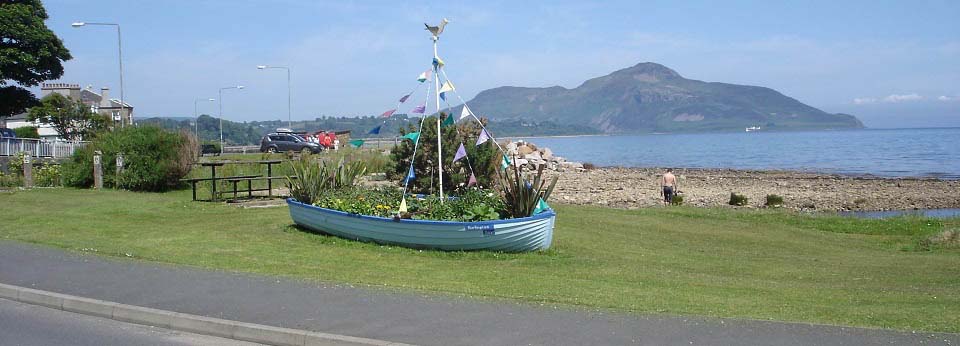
point(235, 180)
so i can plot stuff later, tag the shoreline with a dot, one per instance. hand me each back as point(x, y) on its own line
point(631, 188)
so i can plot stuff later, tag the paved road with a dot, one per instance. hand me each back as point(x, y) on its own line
point(400, 317)
point(31, 325)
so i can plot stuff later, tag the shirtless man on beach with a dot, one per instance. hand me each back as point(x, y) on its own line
point(669, 184)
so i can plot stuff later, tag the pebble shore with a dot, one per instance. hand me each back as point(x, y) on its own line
point(632, 188)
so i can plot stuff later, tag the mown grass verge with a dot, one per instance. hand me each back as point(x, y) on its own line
point(714, 262)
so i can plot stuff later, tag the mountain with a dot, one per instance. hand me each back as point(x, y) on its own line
point(650, 97)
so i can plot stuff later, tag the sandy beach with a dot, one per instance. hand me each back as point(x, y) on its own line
point(639, 187)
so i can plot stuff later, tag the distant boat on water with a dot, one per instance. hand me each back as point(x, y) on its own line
point(753, 128)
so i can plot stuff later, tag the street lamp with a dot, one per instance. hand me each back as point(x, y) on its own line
point(196, 117)
point(263, 67)
point(221, 112)
point(123, 104)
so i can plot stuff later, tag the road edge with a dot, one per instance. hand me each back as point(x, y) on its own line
point(236, 330)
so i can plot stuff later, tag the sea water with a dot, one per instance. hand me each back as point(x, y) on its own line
point(929, 153)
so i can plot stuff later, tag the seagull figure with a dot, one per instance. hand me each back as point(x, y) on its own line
point(437, 30)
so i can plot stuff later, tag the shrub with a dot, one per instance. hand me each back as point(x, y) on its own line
point(738, 200)
point(15, 165)
point(677, 200)
point(9, 180)
point(47, 176)
point(314, 178)
point(484, 158)
point(154, 159)
point(774, 201)
point(26, 132)
point(521, 196)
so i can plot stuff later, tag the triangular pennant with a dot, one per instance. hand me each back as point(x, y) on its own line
point(461, 153)
point(541, 206)
point(424, 76)
point(388, 113)
point(437, 61)
point(443, 96)
point(410, 176)
point(357, 143)
point(447, 121)
point(403, 205)
point(413, 136)
point(420, 109)
point(472, 181)
point(375, 130)
point(465, 112)
point(446, 86)
point(505, 162)
point(483, 137)
point(404, 98)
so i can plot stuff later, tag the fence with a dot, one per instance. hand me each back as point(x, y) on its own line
point(39, 147)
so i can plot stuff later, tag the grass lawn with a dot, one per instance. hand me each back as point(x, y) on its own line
point(714, 262)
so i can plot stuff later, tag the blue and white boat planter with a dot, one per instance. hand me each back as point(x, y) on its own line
point(510, 235)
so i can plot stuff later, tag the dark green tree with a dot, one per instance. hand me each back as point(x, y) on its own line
point(29, 54)
point(71, 118)
point(484, 158)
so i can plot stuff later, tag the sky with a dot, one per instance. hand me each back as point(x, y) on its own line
point(891, 63)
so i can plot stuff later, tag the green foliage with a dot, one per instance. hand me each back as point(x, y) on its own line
point(774, 201)
point(210, 147)
point(738, 200)
point(47, 176)
point(483, 158)
point(71, 118)
point(26, 132)
point(676, 200)
point(9, 180)
point(313, 178)
point(381, 202)
point(520, 195)
point(472, 205)
point(30, 53)
point(15, 165)
point(154, 159)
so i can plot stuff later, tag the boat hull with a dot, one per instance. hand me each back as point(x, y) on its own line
point(511, 235)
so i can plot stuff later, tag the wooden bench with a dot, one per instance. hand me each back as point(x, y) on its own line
point(213, 184)
point(250, 190)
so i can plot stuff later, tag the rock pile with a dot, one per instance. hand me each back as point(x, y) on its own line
point(529, 156)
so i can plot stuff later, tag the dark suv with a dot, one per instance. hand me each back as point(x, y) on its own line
point(280, 142)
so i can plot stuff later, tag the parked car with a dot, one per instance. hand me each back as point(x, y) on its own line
point(280, 142)
point(7, 133)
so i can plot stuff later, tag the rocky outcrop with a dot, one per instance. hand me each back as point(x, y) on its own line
point(528, 156)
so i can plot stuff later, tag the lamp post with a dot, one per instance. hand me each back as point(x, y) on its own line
point(196, 117)
point(123, 104)
point(263, 67)
point(220, 93)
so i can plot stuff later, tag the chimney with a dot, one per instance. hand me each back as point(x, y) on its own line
point(105, 97)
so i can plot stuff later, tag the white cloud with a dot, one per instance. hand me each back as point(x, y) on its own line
point(948, 98)
point(864, 100)
point(896, 98)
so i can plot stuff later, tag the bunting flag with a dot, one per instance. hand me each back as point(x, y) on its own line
point(447, 121)
point(403, 205)
point(541, 207)
point(483, 137)
point(505, 163)
point(388, 113)
point(356, 143)
point(472, 181)
point(375, 130)
point(437, 61)
point(420, 109)
point(404, 98)
point(410, 176)
point(461, 153)
point(413, 136)
point(443, 96)
point(465, 112)
point(424, 76)
point(446, 86)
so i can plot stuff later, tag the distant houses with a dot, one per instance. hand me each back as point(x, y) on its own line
point(120, 113)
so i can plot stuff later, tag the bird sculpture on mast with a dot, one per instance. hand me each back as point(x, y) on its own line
point(437, 30)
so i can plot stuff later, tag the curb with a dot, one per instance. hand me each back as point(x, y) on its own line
point(183, 322)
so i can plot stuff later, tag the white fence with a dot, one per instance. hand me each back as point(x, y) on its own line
point(39, 147)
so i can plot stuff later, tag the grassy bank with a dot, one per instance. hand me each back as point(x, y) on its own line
point(713, 262)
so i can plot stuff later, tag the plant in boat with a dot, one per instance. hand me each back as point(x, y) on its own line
point(520, 195)
point(315, 177)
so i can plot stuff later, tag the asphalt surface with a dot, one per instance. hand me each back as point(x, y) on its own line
point(30, 325)
point(399, 317)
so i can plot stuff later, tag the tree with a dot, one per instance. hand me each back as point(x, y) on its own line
point(71, 118)
point(29, 54)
